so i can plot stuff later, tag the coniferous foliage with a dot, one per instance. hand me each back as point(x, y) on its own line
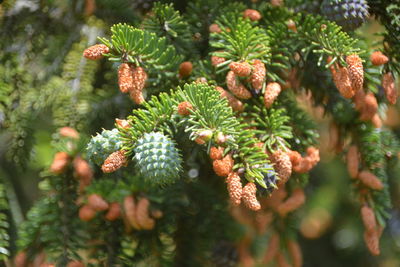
point(194, 133)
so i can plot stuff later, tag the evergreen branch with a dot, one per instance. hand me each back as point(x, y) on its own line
point(4, 225)
point(129, 44)
point(166, 22)
point(325, 37)
point(240, 40)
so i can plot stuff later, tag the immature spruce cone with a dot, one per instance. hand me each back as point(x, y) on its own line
point(356, 71)
point(130, 212)
point(358, 99)
point(271, 93)
point(185, 69)
point(236, 87)
point(389, 88)
point(235, 104)
point(114, 212)
point(102, 145)
point(273, 248)
point(305, 165)
point(252, 14)
point(68, 132)
point(296, 200)
point(60, 162)
point(295, 253)
point(368, 218)
point(216, 153)
point(96, 51)
point(86, 213)
point(341, 78)
point(223, 167)
point(283, 166)
point(378, 58)
point(97, 203)
point(234, 188)
point(184, 108)
point(139, 82)
point(249, 196)
point(258, 75)
point(241, 69)
point(114, 161)
point(125, 77)
point(352, 161)
point(217, 60)
point(370, 180)
point(369, 108)
point(142, 214)
point(372, 241)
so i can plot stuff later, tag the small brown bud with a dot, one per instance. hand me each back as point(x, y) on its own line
point(389, 88)
point(370, 180)
point(184, 108)
point(378, 58)
point(96, 51)
point(313, 154)
point(295, 157)
point(216, 153)
point(86, 213)
point(356, 71)
point(69, 132)
point(241, 69)
point(114, 212)
point(252, 14)
point(305, 165)
point(368, 218)
point(142, 215)
point(130, 212)
point(125, 78)
point(277, 3)
point(83, 170)
point(258, 75)
point(185, 69)
point(369, 108)
point(97, 203)
point(60, 162)
point(234, 186)
point(295, 253)
point(235, 104)
point(352, 161)
point(358, 99)
point(114, 161)
point(214, 28)
point(157, 214)
point(272, 91)
point(249, 196)
point(223, 166)
point(236, 87)
point(124, 124)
